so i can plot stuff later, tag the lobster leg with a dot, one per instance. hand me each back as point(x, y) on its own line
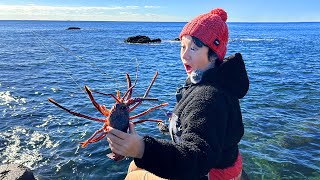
point(138, 101)
point(151, 84)
point(146, 93)
point(89, 141)
point(93, 139)
point(101, 109)
point(147, 111)
point(129, 85)
point(147, 120)
point(98, 138)
point(113, 96)
point(118, 94)
point(75, 113)
point(126, 93)
point(135, 106)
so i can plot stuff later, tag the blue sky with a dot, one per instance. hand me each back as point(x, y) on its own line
point(160, 10)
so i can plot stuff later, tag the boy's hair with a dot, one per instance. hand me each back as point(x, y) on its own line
point(211, 53)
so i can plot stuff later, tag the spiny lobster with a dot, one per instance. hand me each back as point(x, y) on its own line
point(118, 116)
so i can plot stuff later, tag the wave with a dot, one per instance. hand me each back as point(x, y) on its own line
point(251, 39)
point(23, 146)
point(7, 98)
point(171, 41)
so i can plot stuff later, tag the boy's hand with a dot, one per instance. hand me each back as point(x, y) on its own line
point(130, 145)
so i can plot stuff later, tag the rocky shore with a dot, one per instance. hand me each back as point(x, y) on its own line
point(15, 172)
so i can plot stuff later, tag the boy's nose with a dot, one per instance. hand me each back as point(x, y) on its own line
point(185, 55)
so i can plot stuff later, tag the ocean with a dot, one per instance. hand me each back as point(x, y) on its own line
point(41, 60)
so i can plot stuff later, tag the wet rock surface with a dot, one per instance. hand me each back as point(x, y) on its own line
point(15, 172)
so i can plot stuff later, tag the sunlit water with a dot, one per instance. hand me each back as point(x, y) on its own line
point(40, 59)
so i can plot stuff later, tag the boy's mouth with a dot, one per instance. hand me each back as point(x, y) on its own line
point(188, 68)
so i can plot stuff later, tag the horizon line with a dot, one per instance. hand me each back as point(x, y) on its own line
point(157, 21)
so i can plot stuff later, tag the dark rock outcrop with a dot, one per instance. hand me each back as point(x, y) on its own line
point(177, 39)
point(15, 171)
point(73, 28)
point(141, 39)
point(158, 40)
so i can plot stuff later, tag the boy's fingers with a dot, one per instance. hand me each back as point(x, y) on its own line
point(113, 139)
point(116, 132)
point(132, 128)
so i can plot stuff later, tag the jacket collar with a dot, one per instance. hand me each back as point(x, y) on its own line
point(231, 76)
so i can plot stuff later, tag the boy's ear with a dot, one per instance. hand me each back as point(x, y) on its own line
point(211, 59)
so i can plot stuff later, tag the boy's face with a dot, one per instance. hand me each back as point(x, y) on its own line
point(192, 56)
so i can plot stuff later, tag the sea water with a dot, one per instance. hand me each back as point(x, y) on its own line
point(40, 59)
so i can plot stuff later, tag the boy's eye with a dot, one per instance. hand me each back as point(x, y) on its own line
point(193, 48)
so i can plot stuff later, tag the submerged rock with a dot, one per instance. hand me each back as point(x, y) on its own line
point(15, 171)
point(141, 39)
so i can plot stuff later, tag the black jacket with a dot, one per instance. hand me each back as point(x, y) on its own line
point(207, 125)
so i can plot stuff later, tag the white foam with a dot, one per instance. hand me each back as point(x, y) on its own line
point(252, 39)
point(55, 89)
point(45, 122)
point(24, 147)
point(6, 97)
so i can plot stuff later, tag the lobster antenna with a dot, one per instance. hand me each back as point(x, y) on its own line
point(135, 82)
point(93, 64)
point(82, 59)
point(63, 67)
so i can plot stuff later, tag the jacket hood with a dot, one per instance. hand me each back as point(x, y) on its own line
point(231, 76)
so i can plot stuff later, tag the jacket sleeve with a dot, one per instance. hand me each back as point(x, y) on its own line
point(199, 149)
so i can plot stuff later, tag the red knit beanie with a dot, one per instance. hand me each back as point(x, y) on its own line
point(211, 29)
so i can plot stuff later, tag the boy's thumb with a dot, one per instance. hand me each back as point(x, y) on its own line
point(132, 128)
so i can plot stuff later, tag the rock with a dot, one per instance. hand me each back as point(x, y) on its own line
point(158, 40)
point(141, 39)
point(15, 172)
point(73, 28)
point(138, 39)
point(177, 39)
